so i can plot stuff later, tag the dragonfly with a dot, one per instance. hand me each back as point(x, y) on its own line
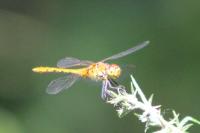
point(97, 71)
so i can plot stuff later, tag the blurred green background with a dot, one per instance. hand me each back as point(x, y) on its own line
point(40, 32)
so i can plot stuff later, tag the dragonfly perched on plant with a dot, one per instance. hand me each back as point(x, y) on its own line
point(99, 71)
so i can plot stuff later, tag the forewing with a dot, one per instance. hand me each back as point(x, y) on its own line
point(62, 83)
point(127, 52)
point(71, 62)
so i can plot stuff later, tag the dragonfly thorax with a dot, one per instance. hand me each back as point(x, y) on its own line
point(102, 71)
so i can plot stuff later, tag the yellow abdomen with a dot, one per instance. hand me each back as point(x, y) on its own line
point(42, 69)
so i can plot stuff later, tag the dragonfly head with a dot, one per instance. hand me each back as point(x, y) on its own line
point(114, 71)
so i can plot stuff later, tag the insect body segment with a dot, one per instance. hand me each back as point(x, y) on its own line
point(58, 70)
point(103, 71)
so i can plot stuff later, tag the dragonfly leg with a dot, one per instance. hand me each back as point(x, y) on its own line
point(104, 89)
point(114, 85)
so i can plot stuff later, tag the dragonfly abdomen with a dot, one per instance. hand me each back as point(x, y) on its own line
point(56, 70)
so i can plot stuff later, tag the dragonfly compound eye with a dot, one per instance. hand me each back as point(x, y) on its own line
point(114, 71)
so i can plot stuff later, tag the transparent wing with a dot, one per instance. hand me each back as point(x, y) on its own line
point(62, 83)
point(127, 52)
point(71, 62)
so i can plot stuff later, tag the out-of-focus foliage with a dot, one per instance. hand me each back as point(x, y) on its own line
point(40, 32)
